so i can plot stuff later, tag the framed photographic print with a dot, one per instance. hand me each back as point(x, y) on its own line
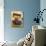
point(17, 18)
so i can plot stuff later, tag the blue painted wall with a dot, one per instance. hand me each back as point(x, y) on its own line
point(43, 6)
point(29, 7)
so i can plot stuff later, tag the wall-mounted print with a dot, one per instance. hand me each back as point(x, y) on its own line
point(17, 19)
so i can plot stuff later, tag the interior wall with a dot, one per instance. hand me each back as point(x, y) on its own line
point(1, 20)
point(43, 6)
point(29, 7)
